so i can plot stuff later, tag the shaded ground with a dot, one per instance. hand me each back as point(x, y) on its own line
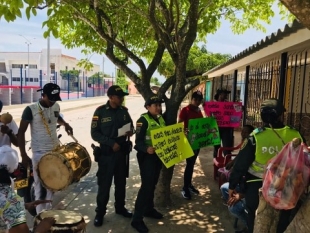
point(204, 213)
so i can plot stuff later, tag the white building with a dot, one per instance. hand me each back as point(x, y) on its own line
point(14, 65)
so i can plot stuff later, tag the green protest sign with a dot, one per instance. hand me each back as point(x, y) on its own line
point(203, 132)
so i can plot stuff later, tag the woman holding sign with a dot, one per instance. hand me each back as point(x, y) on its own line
point(226, 133)
point(192, 111)
point(149, 163)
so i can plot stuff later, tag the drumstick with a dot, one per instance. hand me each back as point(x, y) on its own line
point(73, 137)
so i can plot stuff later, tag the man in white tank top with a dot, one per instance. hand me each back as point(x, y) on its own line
point(43, 118)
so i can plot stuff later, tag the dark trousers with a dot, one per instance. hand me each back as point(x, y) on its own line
point(150, 166)
point(252, 201)
point(226, 135)
point(109, 166)
point(189, 169)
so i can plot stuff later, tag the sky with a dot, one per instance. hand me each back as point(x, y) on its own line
point(223, 41)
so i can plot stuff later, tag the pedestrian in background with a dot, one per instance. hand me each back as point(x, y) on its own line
point(226, 133)
point(192, 111)
point(107, 119)
point(149, 163)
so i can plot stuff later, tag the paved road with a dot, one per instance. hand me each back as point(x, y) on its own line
point(204, 213)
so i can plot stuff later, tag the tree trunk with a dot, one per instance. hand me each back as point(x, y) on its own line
point(299, 8)
point(301, 221)
point(162, 192)
point(267, 218)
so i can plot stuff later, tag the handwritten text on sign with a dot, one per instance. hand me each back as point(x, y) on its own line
point(227, 114)
point(171, 145)
point(203, 132)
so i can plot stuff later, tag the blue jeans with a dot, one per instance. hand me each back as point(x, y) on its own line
point(237, 210)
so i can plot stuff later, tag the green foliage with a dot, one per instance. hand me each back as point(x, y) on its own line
point(138, 31)
point(73, 74)
point(95, 78)
point(155, 81)
point(199, 59)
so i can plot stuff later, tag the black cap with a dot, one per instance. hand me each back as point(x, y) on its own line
point(273, 104)
point(197, 95)
point(52, 91)
point(220, 91)
point(116, 90)
point(153, 100)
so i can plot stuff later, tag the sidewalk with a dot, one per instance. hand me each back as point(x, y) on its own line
point(204, 213)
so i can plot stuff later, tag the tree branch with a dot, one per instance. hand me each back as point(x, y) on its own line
point(160, 30)
point(192, 26)
point(157, 58)
point(121, 64)
point(105, 36)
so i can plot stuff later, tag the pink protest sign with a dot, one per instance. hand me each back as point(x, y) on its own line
point(227, 114)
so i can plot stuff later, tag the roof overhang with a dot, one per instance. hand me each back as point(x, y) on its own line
point(292, 38)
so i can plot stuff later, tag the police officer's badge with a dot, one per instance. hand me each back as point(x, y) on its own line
point(94, 124)
point(94, 121)
point(244, 143)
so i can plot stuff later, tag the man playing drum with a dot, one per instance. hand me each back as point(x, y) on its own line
point(43, 118)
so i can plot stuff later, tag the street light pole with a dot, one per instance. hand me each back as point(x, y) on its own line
point(28, 43)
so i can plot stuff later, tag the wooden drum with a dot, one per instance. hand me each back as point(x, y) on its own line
point(66, 221)
point(60, 168)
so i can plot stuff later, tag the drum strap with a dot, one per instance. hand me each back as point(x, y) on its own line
point(45, 123)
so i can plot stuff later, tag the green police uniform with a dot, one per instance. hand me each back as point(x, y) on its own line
point(255, 152)
point(149, 164)
point(104, 130)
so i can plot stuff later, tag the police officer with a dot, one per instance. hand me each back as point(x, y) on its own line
point(149, 163)
point(255, 152)
point(107, 119)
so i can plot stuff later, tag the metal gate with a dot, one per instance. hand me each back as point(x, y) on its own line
point(264, 80)
point(297, 91)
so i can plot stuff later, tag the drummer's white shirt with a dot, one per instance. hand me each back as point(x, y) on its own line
point(4, 138)
point(40, 139)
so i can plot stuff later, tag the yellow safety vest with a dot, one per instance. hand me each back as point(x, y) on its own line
point(152, 124)
point(268, 145)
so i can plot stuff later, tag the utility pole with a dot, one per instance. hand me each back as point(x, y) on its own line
point(48, 60)
point(28, 43)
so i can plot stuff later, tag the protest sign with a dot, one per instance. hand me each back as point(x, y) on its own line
point(171, 144)
point(227, 114)
point(203, 132)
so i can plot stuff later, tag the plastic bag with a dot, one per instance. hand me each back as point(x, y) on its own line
point(286, 176)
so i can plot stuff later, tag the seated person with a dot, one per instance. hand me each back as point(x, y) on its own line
point(12, 208)
point(225, 171)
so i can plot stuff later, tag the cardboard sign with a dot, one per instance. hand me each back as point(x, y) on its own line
point(203, 132)
point(171, 144)
point(227, 114)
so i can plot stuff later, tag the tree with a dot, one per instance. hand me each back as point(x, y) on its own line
point(97, 78)
point(73, 74)
point(199, 58)
point(155, 81)
point(300, 9)
point(137, 29)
